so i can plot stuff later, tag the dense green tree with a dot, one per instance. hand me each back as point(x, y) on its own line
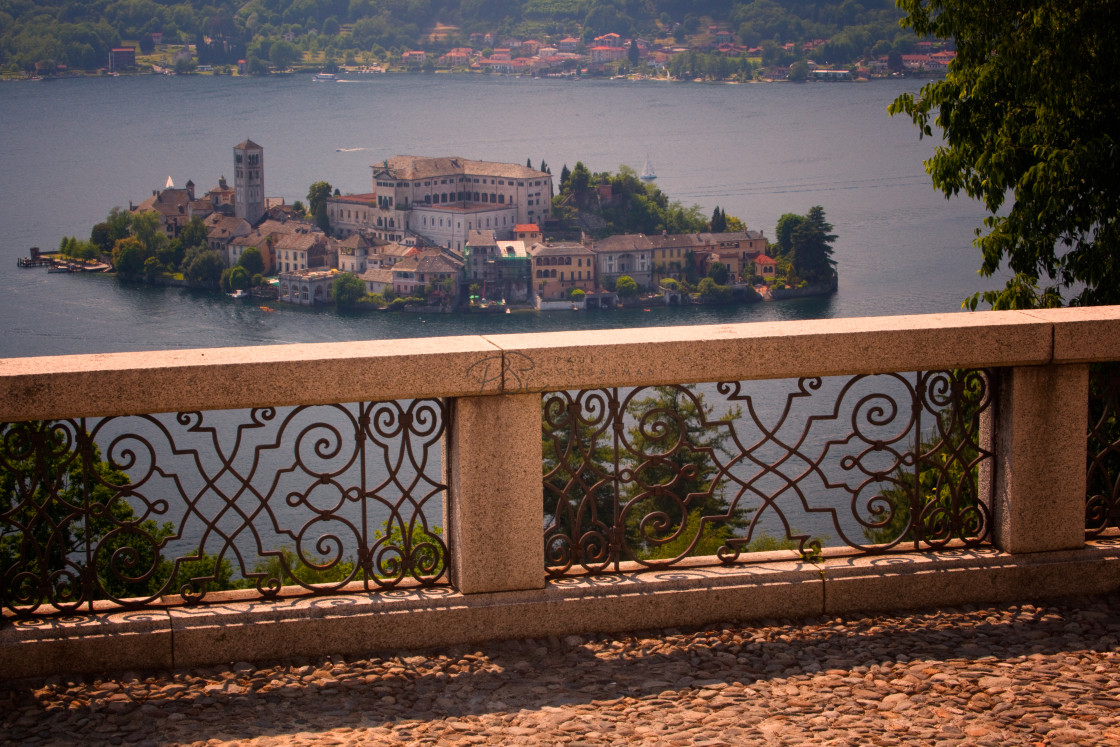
point(347, 289)
point(283, 53)
point(799, 71)
point(128, 258)
point(626, 287)
point(673, 445)
point(153, 268)
point(257, 66)
point(61, 504)
point(783, 232)
point(718, 223)
point(203, 268)
point(252, 260)
point(193, 233)
point(719, 272)
point(239, 278)
point(812, 247)
point(1029, 112)
point(713, 292)
point(579, 179)
point(317, 195)
point(101, 237)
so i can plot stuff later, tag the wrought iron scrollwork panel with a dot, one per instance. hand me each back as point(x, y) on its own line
point(1102, 500)
point(655, 474)
point(132, 509)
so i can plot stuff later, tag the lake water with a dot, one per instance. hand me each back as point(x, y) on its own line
point(74, 149)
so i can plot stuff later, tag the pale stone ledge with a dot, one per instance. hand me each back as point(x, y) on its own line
point(221, 633)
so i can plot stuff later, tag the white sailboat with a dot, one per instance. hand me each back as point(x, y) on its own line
point(647, 174)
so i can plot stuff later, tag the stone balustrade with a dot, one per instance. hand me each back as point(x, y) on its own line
point(492, 461)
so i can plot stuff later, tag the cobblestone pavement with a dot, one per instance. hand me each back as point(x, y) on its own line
point(1019, 674)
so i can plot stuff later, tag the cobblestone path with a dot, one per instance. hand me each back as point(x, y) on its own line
point(1019, 674)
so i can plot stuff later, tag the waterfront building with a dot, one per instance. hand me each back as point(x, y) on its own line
point(502, 268)
point(443, 199)
point(306, 287)
point(627, 254)
point(767, 267)
point(122, 58)
point(248, 181)
point(377, 279)
point(558, 268)
point(413, 274)
point(303, 251)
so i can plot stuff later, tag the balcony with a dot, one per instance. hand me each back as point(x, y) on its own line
point(183, 508)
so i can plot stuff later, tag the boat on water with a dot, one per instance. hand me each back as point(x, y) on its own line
point(648, 174)
point(239, 293)
point(325, 77)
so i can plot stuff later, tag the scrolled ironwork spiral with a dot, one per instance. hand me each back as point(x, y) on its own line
point(249, 488)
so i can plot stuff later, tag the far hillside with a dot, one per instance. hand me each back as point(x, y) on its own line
point(78, 34)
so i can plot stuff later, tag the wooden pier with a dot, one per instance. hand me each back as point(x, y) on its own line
point(54, 262)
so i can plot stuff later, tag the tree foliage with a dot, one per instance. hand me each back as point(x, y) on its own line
point(317, 195)
point(347, 289)
point(626, 287)
point(672, 446)
point(252, 261)
point(630, 205)
point(812, 247)
point(1029, 112)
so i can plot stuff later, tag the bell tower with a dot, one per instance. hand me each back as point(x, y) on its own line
point(248, 181)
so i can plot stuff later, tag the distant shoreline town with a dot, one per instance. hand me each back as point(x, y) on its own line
point(714, 56)
point(441, 234)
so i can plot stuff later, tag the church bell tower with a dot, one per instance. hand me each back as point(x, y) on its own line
point(248, 181)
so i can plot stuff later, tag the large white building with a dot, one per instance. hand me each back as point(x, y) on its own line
point(444, 199)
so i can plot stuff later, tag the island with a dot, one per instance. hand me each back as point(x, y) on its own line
point(443, 234)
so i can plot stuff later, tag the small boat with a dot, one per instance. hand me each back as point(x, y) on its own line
point(269, 309)
point(239, 293)
point(648, 174)
point(325, 77)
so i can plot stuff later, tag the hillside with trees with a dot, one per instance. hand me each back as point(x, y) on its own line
point(78, 34)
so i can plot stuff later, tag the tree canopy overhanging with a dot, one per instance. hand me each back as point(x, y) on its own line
point(1029, 114)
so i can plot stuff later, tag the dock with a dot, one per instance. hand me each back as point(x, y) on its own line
point(54, 262)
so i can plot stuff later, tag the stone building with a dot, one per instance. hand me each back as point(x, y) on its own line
point(444, 199)
point(248, 181)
